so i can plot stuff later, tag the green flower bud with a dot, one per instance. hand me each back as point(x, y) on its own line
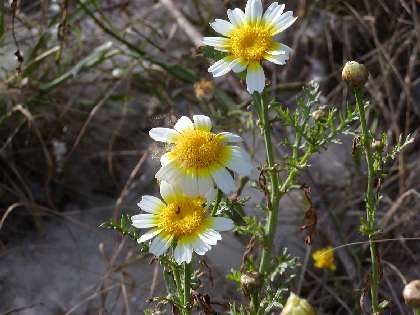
point(251, 282)
point(297, 306)
point(355, 74)
point(411, 294)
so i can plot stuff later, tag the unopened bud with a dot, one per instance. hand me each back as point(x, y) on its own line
point(355, 74)
point(251, 282)
point(319, 114)
point(297, 306)
point(411, 294)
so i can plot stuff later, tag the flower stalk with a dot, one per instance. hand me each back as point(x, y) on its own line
point(187, 289)
point(270, 229)
point(370, 198)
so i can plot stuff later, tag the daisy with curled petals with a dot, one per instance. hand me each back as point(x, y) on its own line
point(249, 39)
point(179, 219)
point(198, 158)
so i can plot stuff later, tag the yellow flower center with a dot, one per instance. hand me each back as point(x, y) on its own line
point(250, 42)
point(182, 217)
point(197, 149)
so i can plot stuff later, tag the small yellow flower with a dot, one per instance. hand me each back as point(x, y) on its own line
point(324, 258)
point(297, 306)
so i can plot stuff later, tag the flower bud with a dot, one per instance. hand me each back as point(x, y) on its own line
point(411, 294)
point(251, 282)
point(319, 114)
point(297, 306)
point(355, 74)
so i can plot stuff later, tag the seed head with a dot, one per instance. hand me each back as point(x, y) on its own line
point(204, 89)
point(251, 282)
point(411, 294)
point(355, 74)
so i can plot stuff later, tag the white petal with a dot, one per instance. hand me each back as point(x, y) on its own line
point(160, 244)
point(150, 204)
point(210, 236)
point(204, 184)
point(210, 195)
point(222, 224)
point(163, 134)
point(255, 78)
point(144, 221)
point(183, 123)
point(279, 59)
point(280, 49)
point(165, 159)
point(283, 22)
point(187, 182)
point(222, 27)
point(148, 235)
point(253, 10)
point(217, 42)
point(229, 137)
point(183, 252)
point(224, 180)
point(240, 162)
point(273, 11)
point(168, 173)
point(236, 16)
point(202, 122)
point(221, 67)
point(200, 247)
point(168, 191)
point(238, 65)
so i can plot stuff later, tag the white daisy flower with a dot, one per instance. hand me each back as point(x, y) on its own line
point(197, 157)
point(179, 219)
point(249, 39)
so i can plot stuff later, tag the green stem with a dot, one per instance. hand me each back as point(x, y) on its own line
point(217, 202)
point(417, 311)
point(270, 228)
point(177, 278)
point(187, 288)
point(370, 199)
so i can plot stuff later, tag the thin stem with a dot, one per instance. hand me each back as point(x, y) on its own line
point(270, 228)
point(217, 202)
point(187, 288)
point(370, 200)
point(417, 311)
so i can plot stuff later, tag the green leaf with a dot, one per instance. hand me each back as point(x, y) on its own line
point(98, 55)
point(211, 53)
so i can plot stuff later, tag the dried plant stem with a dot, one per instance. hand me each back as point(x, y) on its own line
point(370, 200)
point(270, 228)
